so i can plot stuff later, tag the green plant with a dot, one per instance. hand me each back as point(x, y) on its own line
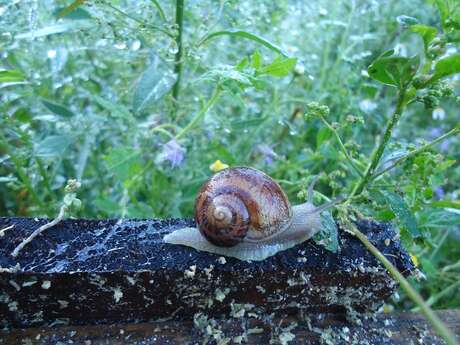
point(136, 99)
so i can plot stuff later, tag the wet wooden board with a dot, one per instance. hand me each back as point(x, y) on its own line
point(87, 272)
point(397, 329)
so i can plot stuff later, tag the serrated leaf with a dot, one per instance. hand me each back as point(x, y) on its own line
point(154, 83)
point(280, 67)
point(394, 70)
point(428, 33)
point(10, 76)
point(402, 212)
point(436, 218)
point(52, 146)
point(124, 163)
point(328, 235)
point(57, 109)
point(447, 66)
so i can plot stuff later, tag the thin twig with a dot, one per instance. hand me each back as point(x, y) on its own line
point(378, 152)
point(417, 151)
point(199, 116)
point(434, 320)
point(2, 231)
point(37, 232)
point(342, 147)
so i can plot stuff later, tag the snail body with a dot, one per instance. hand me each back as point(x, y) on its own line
point(243, 213)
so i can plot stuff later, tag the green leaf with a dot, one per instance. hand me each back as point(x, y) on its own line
point(67, 26)
point(428, 33)
point(230, 77)
point(154, 83)
point(436, 218)
point(402, 212)
point(328, 235)
point(246, 35)
point(248, 123)
point(447, 66)
point(394, 70)
point(446, 204)
point(428, 267)
point(58, 109)
point(323, 134)
point(52, 146)
point(242, 64)
point(116, 110)
point(450, 13)
point(23, 115)
point(280, 67)
point(10, 76)
point(256, 60)
point(124, 162)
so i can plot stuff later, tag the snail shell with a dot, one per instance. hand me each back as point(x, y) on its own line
point(243, 213)
point(241, 204)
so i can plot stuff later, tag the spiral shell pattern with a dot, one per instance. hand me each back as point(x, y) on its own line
point(241, 204)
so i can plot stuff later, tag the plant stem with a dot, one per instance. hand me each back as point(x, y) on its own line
point(377, 154)
point(38, 231)
point(178, 57)
point(451, 267)
point(417, 151)
point(159, 9)
point(199, 116)
point(437, 324)
point(342, 146)
point(434, 298)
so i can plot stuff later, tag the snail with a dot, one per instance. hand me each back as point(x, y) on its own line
point(243, 213)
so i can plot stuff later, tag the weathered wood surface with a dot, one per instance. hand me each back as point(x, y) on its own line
point(87, 272)
point(400, 329)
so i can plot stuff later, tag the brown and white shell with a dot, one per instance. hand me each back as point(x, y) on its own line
point(243, 213)
point(241, 204)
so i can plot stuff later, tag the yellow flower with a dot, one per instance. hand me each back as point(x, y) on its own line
point(218, 165)
point(414, 259)
point(388, 308)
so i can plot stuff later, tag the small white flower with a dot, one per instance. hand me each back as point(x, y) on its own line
point(438, 114)
point(367, 105)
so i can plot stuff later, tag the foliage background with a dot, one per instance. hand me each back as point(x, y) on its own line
point(94, 102)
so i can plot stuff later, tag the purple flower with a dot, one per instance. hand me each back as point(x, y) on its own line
point(439, 193)
point(268, 153)
point(173, 153)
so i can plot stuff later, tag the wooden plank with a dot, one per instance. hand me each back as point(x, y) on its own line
point(87, 272)
point(398, 329)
